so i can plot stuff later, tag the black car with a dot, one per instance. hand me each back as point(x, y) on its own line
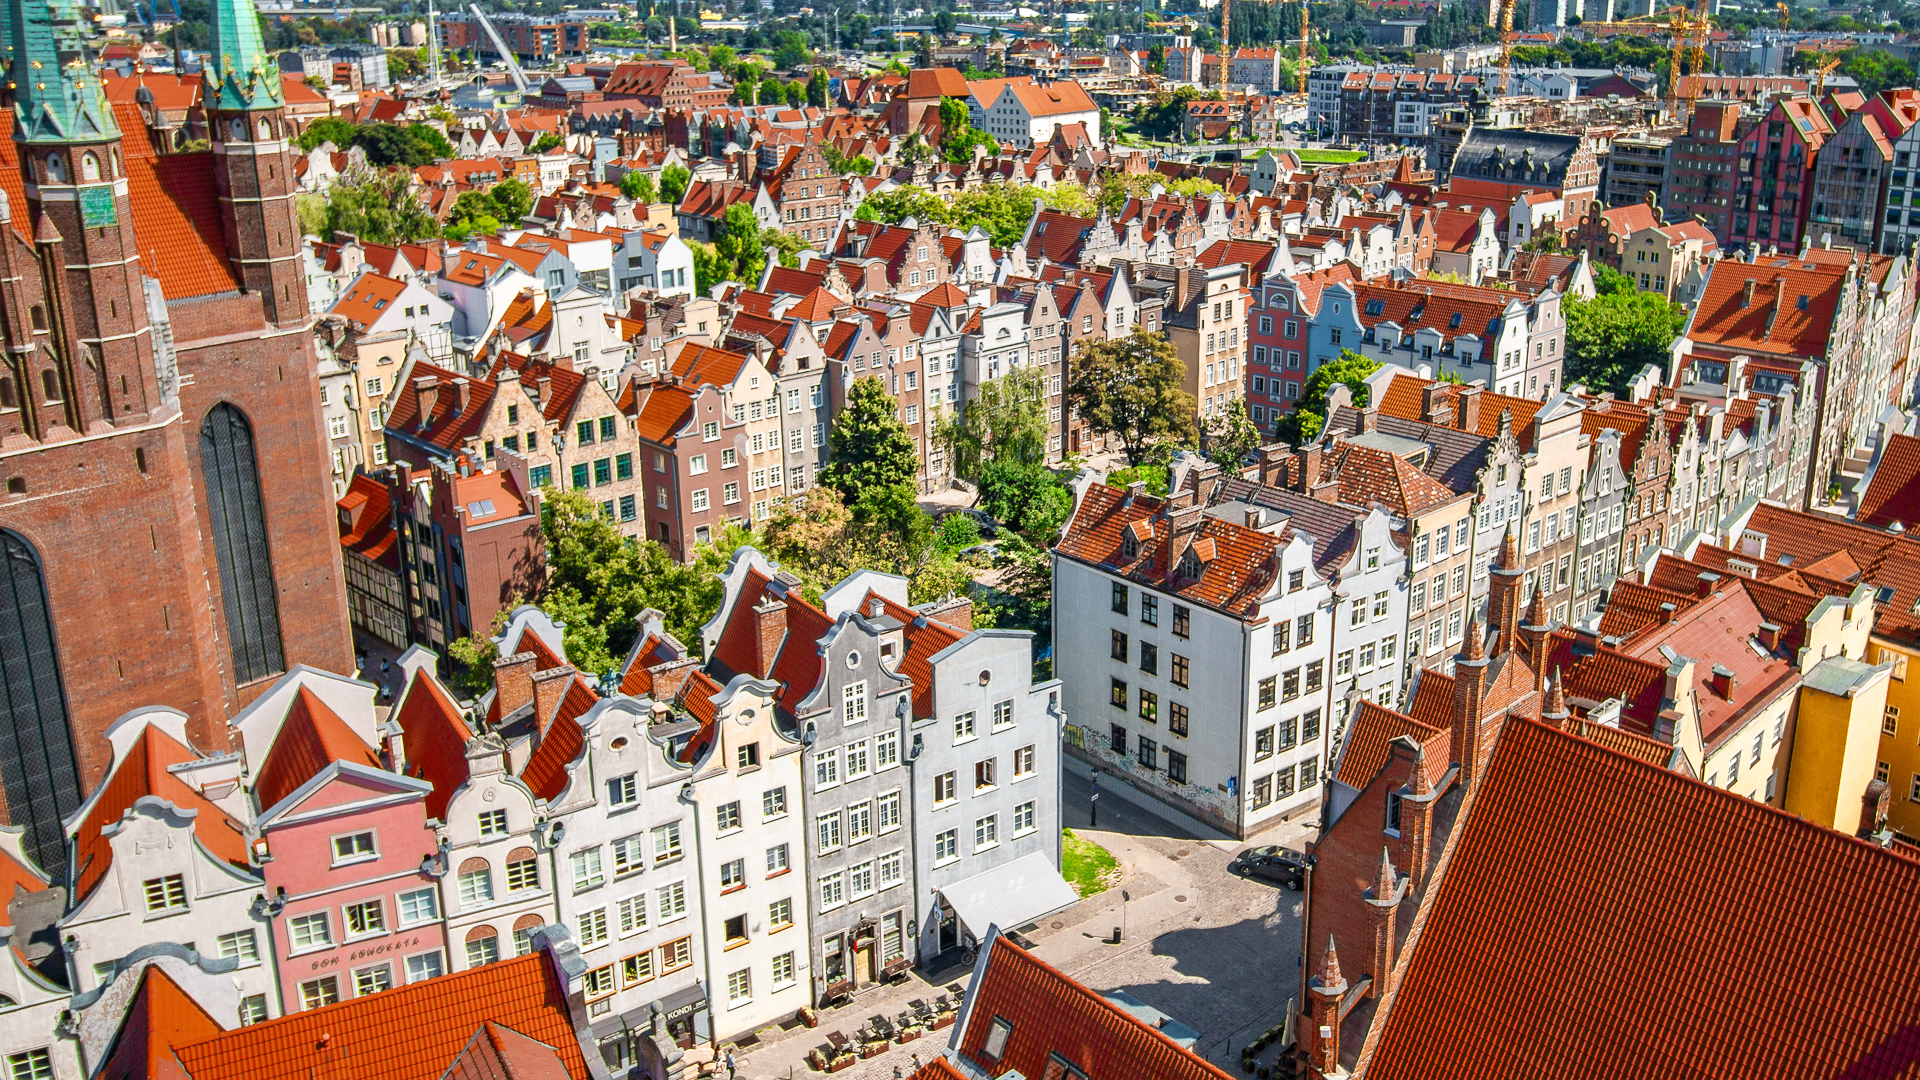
point(1276, 864)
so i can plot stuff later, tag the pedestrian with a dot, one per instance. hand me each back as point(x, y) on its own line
point(385, 665)
point(916, 1063)
point(729, 1063)
point(896, 1072)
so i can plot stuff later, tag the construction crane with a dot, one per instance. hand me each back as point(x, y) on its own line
point(1786, 16)
point(1820, 87)
point(506, 54)
point(1226, 51)
point(1306, 35)
point(1691, 32)
point(1506, 43)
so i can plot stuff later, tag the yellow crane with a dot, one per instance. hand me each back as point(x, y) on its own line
point(1226, 50)
point(1300, 73)
point(1506, 43)
point(1820, 87)
point(1691, 31)
point(1786, 16)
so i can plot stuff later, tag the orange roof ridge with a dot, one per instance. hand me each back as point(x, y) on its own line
point(311, 738)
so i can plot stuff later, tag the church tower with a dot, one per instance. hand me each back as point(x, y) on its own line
point(247, 119)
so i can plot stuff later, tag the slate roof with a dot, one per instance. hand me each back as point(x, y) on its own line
point(1645, 943)
point(1051, 1014)
point(412, 1032)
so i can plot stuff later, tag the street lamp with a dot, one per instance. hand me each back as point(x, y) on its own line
point(1093, 803)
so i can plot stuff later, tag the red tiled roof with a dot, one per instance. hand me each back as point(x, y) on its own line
point(1402, 399)
point(445, 428)
point(1715, 632)
point(368, 298)
point(1374, 726)
point(1367, 476)
point(1232, 581)
point(367, 529)
point(664, 412)
point(546, 771)
point(144, 772)
point(1052, 1014)
point(1773, 321)
point(411, 1032)
point(176, 212)
point(434, 736)
point(1894, 493)
point(699, 364)
point(564, 386)
point(1647, 944)
point(310, 738)
point(161, 1017)
point(1632, 607)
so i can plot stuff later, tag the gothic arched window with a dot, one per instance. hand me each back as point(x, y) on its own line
point(240, 542)
point(90, 167)
point(37, 767)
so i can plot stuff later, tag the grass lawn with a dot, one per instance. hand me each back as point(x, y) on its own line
point(1084, 863)
point(1328, 157)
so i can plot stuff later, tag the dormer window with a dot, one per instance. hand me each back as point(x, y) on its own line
point(1129, 547)
point(1190, 565)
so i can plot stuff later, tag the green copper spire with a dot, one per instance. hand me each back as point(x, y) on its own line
point(56, 91)
point(239, 74)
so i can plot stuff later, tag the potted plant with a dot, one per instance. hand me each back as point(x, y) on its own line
point(1246, 1064)
point(809, 1017)
point(816, 1060)
point(910, 1033)
point(844, 1061)
point(872, 1049)
point(945, 1019)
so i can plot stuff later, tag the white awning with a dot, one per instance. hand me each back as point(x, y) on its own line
point(1010, 896)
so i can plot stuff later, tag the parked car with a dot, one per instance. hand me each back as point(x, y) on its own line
point(1276, 864)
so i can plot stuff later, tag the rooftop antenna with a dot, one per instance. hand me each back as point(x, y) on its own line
point(433, 45)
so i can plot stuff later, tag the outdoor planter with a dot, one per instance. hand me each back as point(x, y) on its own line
point(944, 1020)
point(809, 1017)
point(873, 1049)
point(1246, 1064)
point(816, 1060)
point(842, 1062)
point(907, 1035)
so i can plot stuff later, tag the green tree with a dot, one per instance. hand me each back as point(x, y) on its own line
point(331, 129)
point(817, 87)
point(473, 212)
point(312, 210)
point(1610, 282)
point(1610, 338)
point(1155, 476)
point(547, 141)
point(721, 58)
point(1027, 496)
point(638, 186)
point(1231, 436)
point(673, 183)
point(1130, 388)
point(1007, 421)
point(380, 209)
point(1310, 413)
point(894, 205)
point(709, 269)
point(514, 198)
point(870, 453)
point(792, 49)
point(739, 244)
point(958, 136)
point(1003, 210)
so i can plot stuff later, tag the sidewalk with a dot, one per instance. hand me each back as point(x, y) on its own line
point(781, 1051)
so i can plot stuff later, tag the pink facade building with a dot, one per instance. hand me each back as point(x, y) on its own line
point(350, 863)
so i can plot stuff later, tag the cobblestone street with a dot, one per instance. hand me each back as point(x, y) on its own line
point(1213, 951)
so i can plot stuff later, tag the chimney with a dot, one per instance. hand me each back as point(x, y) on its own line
point(1722, 681)
point(1383, 903)
point(954, 611)
point(1309, 458)
point(1873, 808)
point(1369, 419)
point(1769, 635)
point(512, 682)
point(1256, 518)
point(549, 687)
point(770, 629)
point(671, 677)
point(462, 394)
point(876, 607)
point(1436, 405)
point(543, 389)
point(1273, 464)
point(427, 388)
point(1470, 407)
point(1705, 583)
